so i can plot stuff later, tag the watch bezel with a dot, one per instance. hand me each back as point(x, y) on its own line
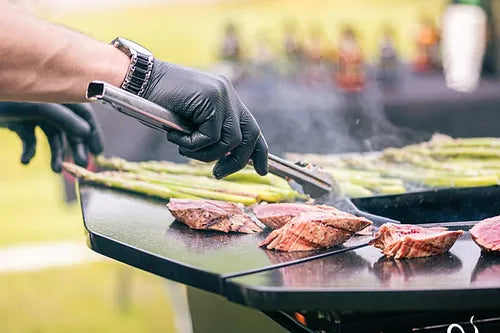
point(129, 47)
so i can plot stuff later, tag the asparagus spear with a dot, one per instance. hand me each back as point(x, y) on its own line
point(370, 180)
point(444, 141)
point(128, 181)
point(125, 184)
point(246, 175)
point(462, 181)
point(202, 193)
point(404, 157)
point(116, 163)
point(353, 190)
point(479, 152)
point(391, 189)
point(215, 189)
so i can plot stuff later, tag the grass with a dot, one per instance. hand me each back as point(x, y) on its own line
point(84, 299)
point(31, 197)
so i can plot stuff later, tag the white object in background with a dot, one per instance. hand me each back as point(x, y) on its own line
point(463, 46)
point(40, 256)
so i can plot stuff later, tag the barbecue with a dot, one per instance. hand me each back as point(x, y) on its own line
point(486, 234)
point(312, 230)
point(212, 215)
point(332, 289)
point(340, 280)
point(409, 241)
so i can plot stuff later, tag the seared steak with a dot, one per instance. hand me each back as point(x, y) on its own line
point(277, 215)
point(409, 241)
point(212, 215)
point(312, 230)
point(486, 234)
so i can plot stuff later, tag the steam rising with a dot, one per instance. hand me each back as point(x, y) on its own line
point(300, 116)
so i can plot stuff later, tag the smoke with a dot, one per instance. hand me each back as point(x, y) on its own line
point(314, 116)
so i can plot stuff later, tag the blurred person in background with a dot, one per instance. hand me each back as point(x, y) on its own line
point(387, 59)
point(44, 62)
point(314, 45)
point(427, 57)
point(231, 45)
point(263, 56)
point(316, 72)
point(292, 47)
point(350, 65)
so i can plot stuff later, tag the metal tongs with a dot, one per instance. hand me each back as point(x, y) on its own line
point(319, 185)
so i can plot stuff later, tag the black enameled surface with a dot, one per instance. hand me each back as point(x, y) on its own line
point(363, 280)
point(438, 205)
point(141, 232)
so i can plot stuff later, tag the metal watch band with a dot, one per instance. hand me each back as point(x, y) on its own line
point(138, 74)
point(140, 68)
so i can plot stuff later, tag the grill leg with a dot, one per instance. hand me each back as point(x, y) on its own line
point(213, 313)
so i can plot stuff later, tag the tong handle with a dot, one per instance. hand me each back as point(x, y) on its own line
point(158, 117)
point(376, 219)
point(288, 170)
point(148, 113)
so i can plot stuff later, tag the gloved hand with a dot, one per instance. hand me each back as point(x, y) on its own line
point(72, 123)
point(226, 130)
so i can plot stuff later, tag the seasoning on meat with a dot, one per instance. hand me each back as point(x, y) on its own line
point(277, 215)
point(312, 230)
point(410, 241)
point(212, 215)
point(486, 234)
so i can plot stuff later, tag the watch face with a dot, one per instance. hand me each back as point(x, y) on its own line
point(133, 46)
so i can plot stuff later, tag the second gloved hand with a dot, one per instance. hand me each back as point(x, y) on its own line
point(73, 124)
point(226, 130)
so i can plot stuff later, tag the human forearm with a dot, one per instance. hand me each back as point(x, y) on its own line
point(40, 61)
point(45, 62)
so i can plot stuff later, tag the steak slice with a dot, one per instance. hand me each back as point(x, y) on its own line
point(486, 234)
point(212, 215)
point(314, 230)
point(410, 241)
point(277, 215)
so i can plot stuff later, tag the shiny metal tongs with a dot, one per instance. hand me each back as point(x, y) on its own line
point(157, 117)
point(317, 184)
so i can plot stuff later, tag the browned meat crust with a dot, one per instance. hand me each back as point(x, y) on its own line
point(314, 230)
point(277, 215)
point(409, 241)
point(212, 215)
point(486, 234)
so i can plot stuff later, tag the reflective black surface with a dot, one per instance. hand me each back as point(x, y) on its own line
point(363, 280)
point(142, 233)
point(438, 205)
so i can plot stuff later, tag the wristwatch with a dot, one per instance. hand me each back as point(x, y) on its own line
point(141, 65)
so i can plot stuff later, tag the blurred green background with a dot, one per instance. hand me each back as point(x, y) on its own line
point(90, 296)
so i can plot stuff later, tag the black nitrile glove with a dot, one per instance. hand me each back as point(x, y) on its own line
point(226, 130)
point(71, 123)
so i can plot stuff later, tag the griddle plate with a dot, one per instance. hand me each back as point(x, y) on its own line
point(363, 280)
point(141, 232)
